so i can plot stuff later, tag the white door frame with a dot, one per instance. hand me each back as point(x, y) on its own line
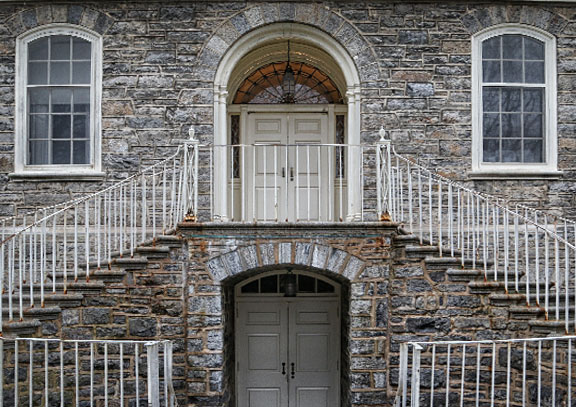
point(234, 54)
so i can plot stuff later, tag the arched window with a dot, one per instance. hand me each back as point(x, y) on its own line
point(58, 101)
point(514, 99)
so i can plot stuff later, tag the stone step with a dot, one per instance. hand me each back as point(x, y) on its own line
point(71, 286)
point(463, 274)
point(153, 252)
point(69, 300)
point(131, 263)
point(41, 314)
point(542, 326)
point(401, 241)
point(487, 287)
point(170, 241)
point(108, 276)
point(420, 252)
point(16, 329)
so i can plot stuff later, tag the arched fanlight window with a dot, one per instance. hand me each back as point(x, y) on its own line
point(276, 283)
point(311, 85)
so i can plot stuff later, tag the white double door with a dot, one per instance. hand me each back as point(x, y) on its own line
point(288, 353)
point(286, 169)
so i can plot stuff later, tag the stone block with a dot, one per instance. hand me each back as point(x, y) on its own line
point(359, 307)
point(207, 360)
point(353, 268)
point(285, 253)
point(205, 304)
point(303, 251)
point(249, 257)
point(319, 256)
point(142, 327)
point(91, 316)
point(215, 340)
point(428, 325)
point(70, 317)
point(254, 17)
point(217, 269)
point(420, 90)
point(336, 260)
point(418, 285)
point(232, 262)
point(267, 254)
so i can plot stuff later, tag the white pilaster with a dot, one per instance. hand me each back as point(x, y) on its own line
point(220, 180)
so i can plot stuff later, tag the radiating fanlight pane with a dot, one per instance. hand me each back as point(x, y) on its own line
point(269, 284)
point(306, 284)
point(61, 152)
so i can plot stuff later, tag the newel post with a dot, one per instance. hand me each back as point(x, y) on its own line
point(383, 174)
point(191, 157)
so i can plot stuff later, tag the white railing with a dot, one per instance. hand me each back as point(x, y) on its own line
point(528, 251)
point(45, 372)
point(520, 372)
point(43, 253)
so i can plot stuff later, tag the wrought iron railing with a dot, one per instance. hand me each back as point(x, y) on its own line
point(520, 372)
point(86, 372)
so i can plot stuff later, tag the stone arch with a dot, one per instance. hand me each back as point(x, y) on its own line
point(270, 255)
point(488, 16)
point(312, 14)
point(64, 14)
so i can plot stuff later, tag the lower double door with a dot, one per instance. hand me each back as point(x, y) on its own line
point(288, 353)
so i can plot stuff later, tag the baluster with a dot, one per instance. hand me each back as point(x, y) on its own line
point(557, 268)
point(537, 258)
point(527, 256)
point(153, 209)
point(516, 249)
point(410, 198)
point(98, 231)
point(308, 179)
point(546, 266)
point(265, 191)
point(566, 279)
point(64, 252)
point(430, 204)
point(450, 217)
point(76, 243)
point(232, 191)
point(87, 237)
point(440, 218)
point(164, 208)
point(420, 208)
point(506, 251)
point(144, 211)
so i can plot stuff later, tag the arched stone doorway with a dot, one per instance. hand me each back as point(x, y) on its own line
point(334, 84)
point(287, 348)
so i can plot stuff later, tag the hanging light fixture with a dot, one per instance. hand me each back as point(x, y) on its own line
point(290, 288)
point(288, 82)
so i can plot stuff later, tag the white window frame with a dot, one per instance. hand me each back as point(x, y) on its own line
point(549, 166)
point(21, 168)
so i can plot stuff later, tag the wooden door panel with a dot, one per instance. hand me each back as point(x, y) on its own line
point(312, 397)
point(269, 397)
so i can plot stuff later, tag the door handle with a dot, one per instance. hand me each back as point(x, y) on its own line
point(291, 173)
point(283, 368)
point(292, 372)
point(283, 172)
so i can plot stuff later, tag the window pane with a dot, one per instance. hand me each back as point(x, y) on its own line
point(491, 71)
point(511, 98)
point(511, 151)
point(269, 284)
point(60, 73)
point(38, 49)
point(512, 71)
point(533, 151)
point(81, 129)
point(81, 152)
point(533, 125)
point(491, 124)
point(38, 100)
point(38, 152)
point(511, 125)
point(491, 48)
point(61, 99)
point(512, 46)
point(81, 100)
point(534, 72)
point(37, 73)
point(38, 126)
point(533, 100)
point(81, 72)
point(81, 49)
point(491, 151)
point(61, 152)
point(324, 287)
point(61, 126)
point(251, 287)
point(306, 284)
point(60, 47)
point(491, 99)
point(533, 48)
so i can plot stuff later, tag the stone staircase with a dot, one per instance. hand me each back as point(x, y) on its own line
point(504, 305)
point(47, 321)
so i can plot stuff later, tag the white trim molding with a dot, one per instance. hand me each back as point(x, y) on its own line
point(224, 80)
point(73, 171)
point(549, 166)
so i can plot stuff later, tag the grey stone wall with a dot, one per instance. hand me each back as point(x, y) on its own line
point(414, 60)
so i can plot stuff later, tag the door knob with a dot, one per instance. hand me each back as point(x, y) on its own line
point(283, 368)
point(283, 172)
point(291, 173)
point(292, 371)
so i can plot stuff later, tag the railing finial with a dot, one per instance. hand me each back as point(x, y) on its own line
point(192, 134)
point(382, 133)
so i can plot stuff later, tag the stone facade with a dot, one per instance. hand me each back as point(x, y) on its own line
point(414, 61)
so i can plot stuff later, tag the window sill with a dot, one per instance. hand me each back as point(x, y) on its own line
point(516, 174)
point(44, 176)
